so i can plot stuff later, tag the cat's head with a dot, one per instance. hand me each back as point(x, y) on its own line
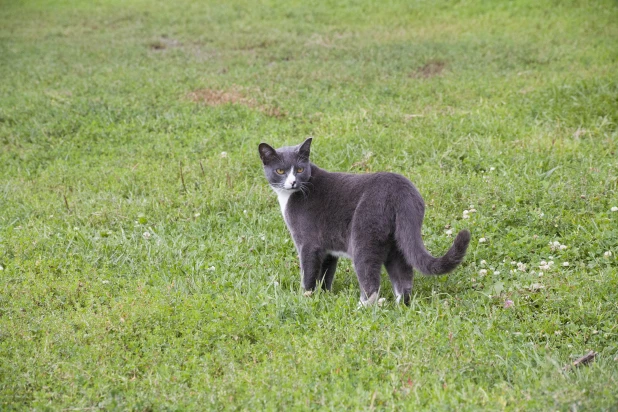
point(287, 168)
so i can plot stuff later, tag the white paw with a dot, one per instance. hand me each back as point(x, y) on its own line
point(373, 299)
point(308, 293)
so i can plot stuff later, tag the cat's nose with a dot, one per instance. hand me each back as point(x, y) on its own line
point(294, 184)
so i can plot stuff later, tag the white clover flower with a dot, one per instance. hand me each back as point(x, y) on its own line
point(146, 235)
point(551, 262)
point(543, 263)
point(606, 254)
point(544, 267)
point(482, 272)
point(556, 246)
point(482, 240)
point(197, 215)
point(496, 272)
point(521, 266)
point(491, 169)
point(614, 209)
point(472, 210)
point(105, 282)
point(449, 232)
point(565, 263)
point(212, 268)
point(513, 262)
point(1, 267)
point(263, 237)
point(483, 262)
point(471, 206)
point(540, 274)
point(466, 216)
point(245, 212)
point(223, 155)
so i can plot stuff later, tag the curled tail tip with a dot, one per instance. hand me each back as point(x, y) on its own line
point(461, 244)
point(463, 238)
point(448, 262)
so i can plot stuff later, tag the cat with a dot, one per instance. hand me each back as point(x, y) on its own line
point(375, 219)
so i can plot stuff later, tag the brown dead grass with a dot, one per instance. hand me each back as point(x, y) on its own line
point(430, 69)
point(212, 97)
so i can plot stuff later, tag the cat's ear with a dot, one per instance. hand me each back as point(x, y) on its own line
point(267, 153)
point(305, 149)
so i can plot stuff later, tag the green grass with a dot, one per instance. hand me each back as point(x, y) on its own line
point(511, 107)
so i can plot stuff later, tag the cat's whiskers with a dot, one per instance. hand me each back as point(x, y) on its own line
point(305, 189)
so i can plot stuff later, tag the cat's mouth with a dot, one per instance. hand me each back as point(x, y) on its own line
point(287, 189)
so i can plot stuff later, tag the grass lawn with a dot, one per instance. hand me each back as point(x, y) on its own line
point(145, 263)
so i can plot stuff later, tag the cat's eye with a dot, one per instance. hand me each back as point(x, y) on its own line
point(280, 171)
point(300, 169)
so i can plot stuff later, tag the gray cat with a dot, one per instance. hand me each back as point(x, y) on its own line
point(374, 219)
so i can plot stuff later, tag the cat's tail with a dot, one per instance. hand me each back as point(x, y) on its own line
point(410, 242)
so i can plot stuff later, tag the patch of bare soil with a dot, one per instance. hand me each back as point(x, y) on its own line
point(430, 69)
point(212, 97)
point(163, 43)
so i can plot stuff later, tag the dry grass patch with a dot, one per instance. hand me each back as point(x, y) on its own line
point(430, 69)
point(212, 97)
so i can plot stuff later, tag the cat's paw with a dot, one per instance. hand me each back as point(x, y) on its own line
point(373, 300)
point(308, 293)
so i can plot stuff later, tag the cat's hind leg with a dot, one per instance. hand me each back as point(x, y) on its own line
point(401, 275)
point(368, 265)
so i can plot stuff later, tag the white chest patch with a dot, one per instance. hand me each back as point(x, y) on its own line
point(283, 196)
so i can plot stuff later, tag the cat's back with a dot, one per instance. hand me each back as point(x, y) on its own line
point(348, 189)
point(377, 181)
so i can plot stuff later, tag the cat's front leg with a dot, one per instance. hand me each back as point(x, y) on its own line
point(327, 272)
point(310, 265)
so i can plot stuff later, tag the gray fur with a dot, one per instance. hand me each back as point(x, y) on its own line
point(374, 218)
